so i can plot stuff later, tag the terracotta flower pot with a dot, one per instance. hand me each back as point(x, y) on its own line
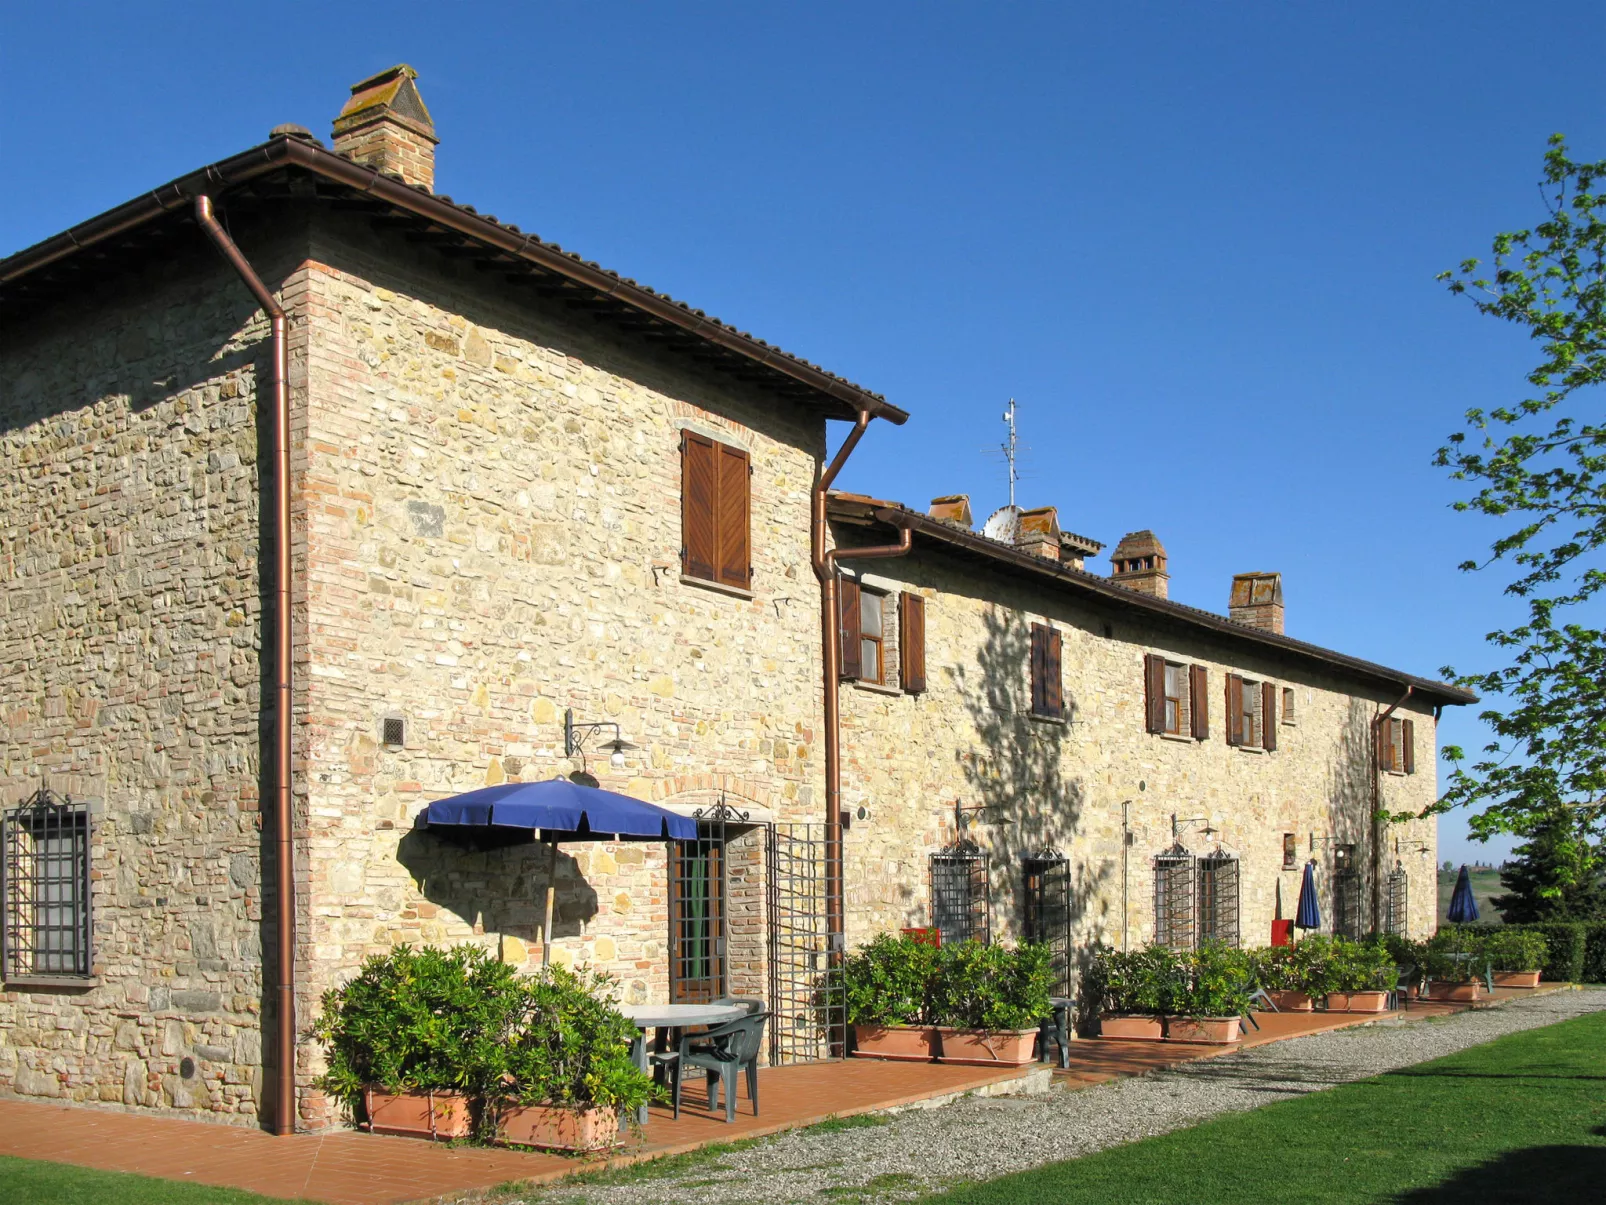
point(557, 1128)
point(1131, 1025)
point(900, 1043)
point(1213, 1031)
point(1459, 992)
point(1357, 1002)
point(439, 1115)
point(1516, 978)
point(987, 1047)
point(1292, 1002)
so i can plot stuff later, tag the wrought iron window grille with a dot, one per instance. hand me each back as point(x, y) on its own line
point(44, 885)
point(1174, 898)
point(1218, 898)
point(1348, 918)
point(1048, 910)
point(1396, 900)
point(959, 881)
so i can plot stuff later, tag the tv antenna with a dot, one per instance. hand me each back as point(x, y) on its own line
point(1011, 447)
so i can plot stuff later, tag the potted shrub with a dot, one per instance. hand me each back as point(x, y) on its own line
point(416, 1036)
point(1516, 956)
point(567, 1070)
point(1211, 997)
point(1448, 961)
point(1277, 973)
point(1131, 991)
point(887, 985)
point(989, 1000)
point(1355, 974)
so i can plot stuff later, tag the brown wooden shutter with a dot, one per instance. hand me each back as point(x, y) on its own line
point(852, 659)
point(1235, 710)
point(1154, 692)
point(699, 486)
point(1408, 745)
point(1039, 681)
point(1385, 746)
point(1053, 683)
point(734, 554)
point(1268, 717)
point(912, 642)
point(1199, 701)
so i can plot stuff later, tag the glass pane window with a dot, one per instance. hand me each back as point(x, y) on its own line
point(870, 638)
point(1175, 684)
point(1251, 712)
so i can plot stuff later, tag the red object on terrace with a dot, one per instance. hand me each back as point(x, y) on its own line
point(1282, 932)
point(931, 936)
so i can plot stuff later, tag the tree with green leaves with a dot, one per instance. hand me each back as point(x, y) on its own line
point(1539, 466)
point(1555, 875)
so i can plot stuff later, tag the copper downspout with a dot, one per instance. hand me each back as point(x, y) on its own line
point(1377, 806)
point(824, 562)
point(284, 1117)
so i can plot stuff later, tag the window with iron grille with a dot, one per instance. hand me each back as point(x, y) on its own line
point(1048, 911)
point(1173, 898)
point(697, 936)
point(44, 882)
point(1396, 899)
point(959, 892)
point(1347, 918)
point(1218, 898)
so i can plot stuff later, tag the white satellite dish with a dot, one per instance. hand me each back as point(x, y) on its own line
point(1003, 525)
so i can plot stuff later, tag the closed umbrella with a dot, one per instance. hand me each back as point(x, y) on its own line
point(1309, 913)
point(1463, 908)
point(554, 811)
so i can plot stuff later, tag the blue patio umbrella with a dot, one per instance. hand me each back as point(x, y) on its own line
point(1463, 908)
point(1309, 913)
point(554, 811)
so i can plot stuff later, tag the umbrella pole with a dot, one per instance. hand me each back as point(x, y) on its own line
point(551, 890)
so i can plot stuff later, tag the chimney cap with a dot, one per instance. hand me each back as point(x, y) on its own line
point(953, 509)
point(291, 130)
point(389, 94)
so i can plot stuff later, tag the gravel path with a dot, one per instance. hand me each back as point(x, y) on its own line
point(919, 1150)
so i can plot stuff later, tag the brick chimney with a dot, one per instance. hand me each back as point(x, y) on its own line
point(1257, 601)
point(1138, 563)
point(954, 509)
point(386, 126)
point(1039, 533)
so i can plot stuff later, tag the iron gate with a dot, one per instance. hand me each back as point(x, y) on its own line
point(1218, 898)
point(1048, 911)
point(1173, 898)
point(959, 892)
point(809, 1019)
point(1395, 902)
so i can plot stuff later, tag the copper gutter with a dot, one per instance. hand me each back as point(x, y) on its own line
point(1377, 806)
point(284, 878)
point(824, 561)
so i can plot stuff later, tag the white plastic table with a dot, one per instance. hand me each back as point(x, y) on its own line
point(671, 1016)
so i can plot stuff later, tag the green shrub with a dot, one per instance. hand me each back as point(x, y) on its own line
point(1594, 963)
point(419, 1019)
point(889, 980)
point(979, 986)
point(1137, 981)
point(572, 1046)
point(1361, 966)
point(1216, 982)
point(1565, 944)
point(1273, 969)
point(1513, 949)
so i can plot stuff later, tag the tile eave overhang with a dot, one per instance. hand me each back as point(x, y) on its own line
point(448, 223)
point(1090, 585)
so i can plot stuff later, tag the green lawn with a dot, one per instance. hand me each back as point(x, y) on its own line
point(1522, 1119)
point(30, 1182)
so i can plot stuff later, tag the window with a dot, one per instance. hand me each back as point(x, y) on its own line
point(1218, 898)
point(872, 666)
point(1174, 697)
point(1288, 705)
point(959, 893)
point(1048, 911)
point(1347, 918)
point(1290, 852)
point(715, 481)
point(1396, 746)
point(1173, 898)
point(45, 867)
point(697, 960)
point(1048, 699)
point(1251, 713)
point(911, 643)
point(1174, 690)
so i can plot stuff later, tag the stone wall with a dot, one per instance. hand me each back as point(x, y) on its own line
point(492, 498)
point(130, 668)
point(970, 738)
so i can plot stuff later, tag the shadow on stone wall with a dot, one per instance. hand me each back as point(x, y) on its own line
point(499, 890)
point(1349, 813)
point(1016, 771)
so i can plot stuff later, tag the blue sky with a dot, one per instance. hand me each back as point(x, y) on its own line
point(1195, 242)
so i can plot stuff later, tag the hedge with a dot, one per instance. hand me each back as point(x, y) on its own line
point(1577, 949)
point(1594, 953)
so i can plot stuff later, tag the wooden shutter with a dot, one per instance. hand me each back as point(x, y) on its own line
point(1235, 710)
point(1408, 746)
point(1053, 685)
point(733, 552)
point(699, 488)
point(852, 661)
point(1385, 746)
point(1154, 692)
point(1039, 679)
point(911, 643)
point(1199, 701)
point(1268, 717)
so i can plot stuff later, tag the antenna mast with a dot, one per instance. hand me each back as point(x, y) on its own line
point(1010, 447)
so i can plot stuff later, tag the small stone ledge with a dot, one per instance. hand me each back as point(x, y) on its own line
point(716, 587)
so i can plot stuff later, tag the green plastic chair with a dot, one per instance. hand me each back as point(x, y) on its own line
point(724, 1051)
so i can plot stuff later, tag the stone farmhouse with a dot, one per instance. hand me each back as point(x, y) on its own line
point(325, 496)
